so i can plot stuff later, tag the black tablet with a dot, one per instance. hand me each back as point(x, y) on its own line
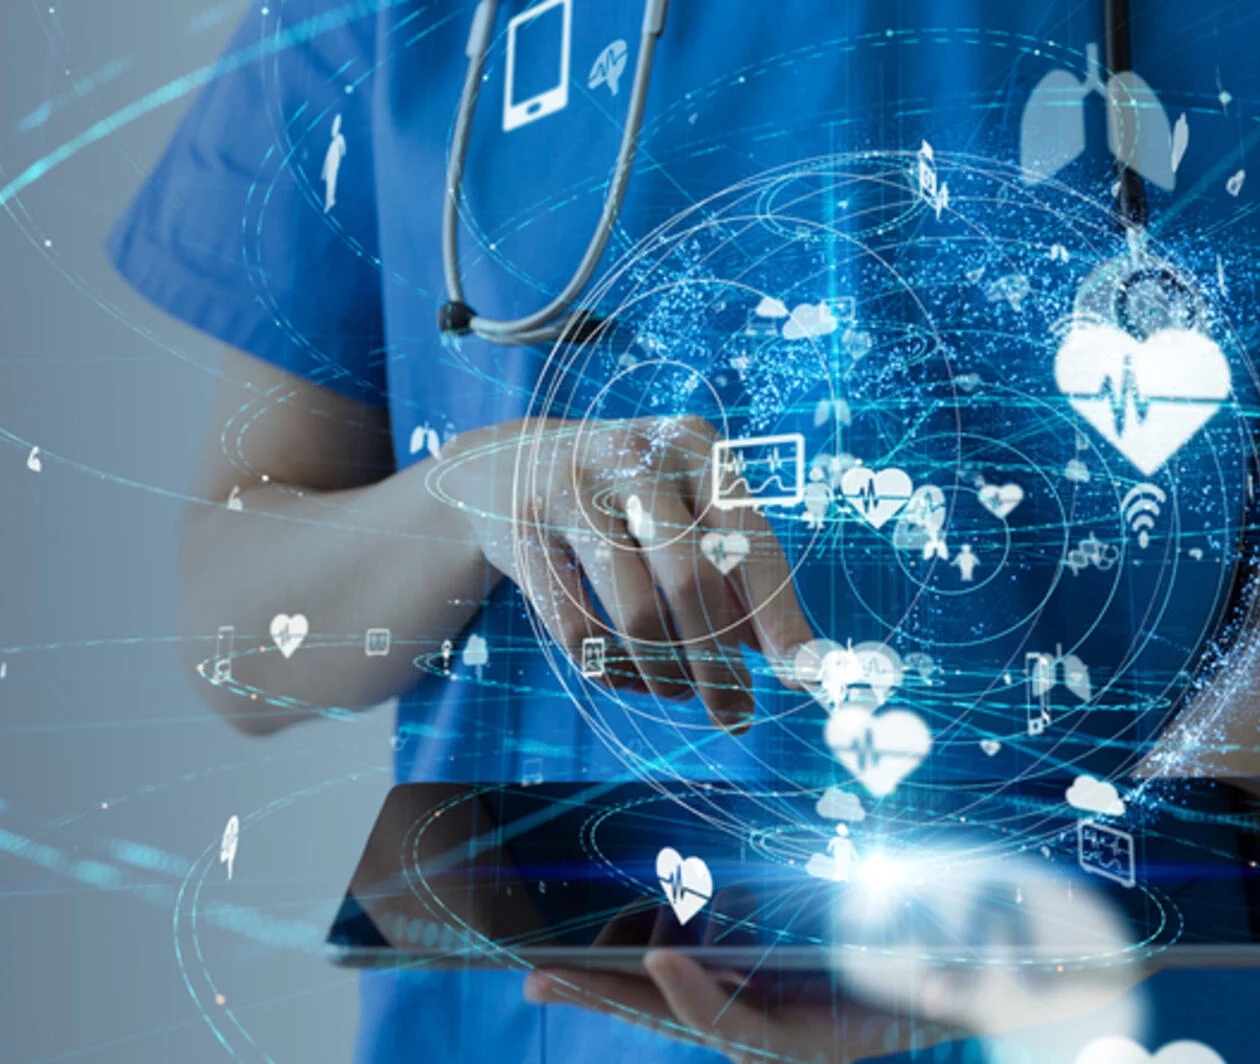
point(758, 881)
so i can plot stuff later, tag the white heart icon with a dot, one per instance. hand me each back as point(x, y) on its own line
point(724, 549)
point(882, 670)
point(926, 508)
point(990, 746)
point(1000, 501)
point(865, 673)
point(288, 632)
point(876, 496)
point(1116, 1050)
point(1146, 399)
point(687, 884)
point(880, 750)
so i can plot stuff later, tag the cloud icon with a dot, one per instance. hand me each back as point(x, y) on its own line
point(836, 804)
point(1116, 1049)
point(1076, 471)
point(1095, 796)
point(769, 307)
point(809, 319)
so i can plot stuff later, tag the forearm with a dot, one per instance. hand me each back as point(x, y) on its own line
point(388, 555)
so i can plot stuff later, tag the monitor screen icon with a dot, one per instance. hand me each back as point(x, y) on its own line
point(537, 81)
point(759, 471)
point(1106, 852)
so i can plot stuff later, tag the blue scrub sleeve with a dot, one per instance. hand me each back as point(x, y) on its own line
point(230, 233)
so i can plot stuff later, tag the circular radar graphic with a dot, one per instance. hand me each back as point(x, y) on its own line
point(999, 440)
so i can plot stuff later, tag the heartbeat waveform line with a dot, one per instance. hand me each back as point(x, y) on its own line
point(737, 463)
point(1128, 393)
point(771, 481)
point(868, 497)
point(675, 888)
point(868, 754)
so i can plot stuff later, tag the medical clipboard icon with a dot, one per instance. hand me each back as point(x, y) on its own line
point(533, 24)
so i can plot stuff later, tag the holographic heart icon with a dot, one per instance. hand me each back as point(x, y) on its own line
point(876, 496)
point(687, 884)
point(288, 632)
point(879, 749)
point(724, 549)
point(1146, 398)
point(1001, 500)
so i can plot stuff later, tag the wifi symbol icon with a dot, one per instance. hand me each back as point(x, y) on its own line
point(1140, 508)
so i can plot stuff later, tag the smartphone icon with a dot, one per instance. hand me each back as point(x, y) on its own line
point(537, 82)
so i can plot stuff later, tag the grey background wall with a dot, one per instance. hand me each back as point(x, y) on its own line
point(102, 743)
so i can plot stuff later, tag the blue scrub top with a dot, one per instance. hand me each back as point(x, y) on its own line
point(231, 235)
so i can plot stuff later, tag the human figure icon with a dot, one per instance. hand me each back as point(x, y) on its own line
point(840, 849)
point(818, 499)
point(966, 562)
point(837, 863)
point(447, 649)
point(332, 165)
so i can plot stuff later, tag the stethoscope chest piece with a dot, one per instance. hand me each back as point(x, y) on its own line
point(1141, 294)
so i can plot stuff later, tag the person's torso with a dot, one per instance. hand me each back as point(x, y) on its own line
point(780, 150)
point(954, 375)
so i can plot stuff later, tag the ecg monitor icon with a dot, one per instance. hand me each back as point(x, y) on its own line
point(759, 471)
point(1106, 852)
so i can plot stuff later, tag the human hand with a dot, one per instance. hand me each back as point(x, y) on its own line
point(682, 1000)
point(615, 511)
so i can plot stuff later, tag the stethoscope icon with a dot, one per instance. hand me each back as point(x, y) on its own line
point(1092, 551)
point(555, 321)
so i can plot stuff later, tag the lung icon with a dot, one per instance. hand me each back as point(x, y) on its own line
point(1052, 130)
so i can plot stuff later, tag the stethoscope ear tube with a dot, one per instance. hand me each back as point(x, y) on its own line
point(1119, 58)
point(553, 322)
point(479, 36)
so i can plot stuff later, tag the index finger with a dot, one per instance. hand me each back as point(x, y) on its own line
point(763, 582)
point(760, 574)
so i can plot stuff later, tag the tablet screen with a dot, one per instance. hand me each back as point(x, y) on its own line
point(460, 874)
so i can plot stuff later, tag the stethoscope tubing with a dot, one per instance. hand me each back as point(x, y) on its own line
point(553, 320)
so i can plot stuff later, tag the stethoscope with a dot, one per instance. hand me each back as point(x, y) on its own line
point(557, 322)
point(1132, 279)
